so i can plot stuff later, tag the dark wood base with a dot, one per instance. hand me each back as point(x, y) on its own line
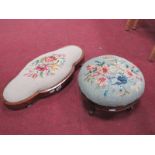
point(93, 107)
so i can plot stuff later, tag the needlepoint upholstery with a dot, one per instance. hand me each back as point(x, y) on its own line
point(111, 81)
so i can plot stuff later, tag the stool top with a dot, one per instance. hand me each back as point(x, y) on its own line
point(110, 80)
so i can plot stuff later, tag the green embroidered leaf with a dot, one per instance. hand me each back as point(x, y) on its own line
point(102, 63)
point(87, 73)
point(106, 92)
point(37, 61)
point(95, 70)
point(61, 61)
point(41, 74)
point(97, 61)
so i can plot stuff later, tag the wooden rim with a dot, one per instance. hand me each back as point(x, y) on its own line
point(46, 92)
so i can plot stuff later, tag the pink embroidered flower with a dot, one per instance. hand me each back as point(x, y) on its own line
point(91, 67)
point(103, 70)
point(49, 59)
point(129, 73)
point(42, 68)
point(45, 66)
point(101, 81)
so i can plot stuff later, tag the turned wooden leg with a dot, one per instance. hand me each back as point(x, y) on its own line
point(152, 55)
point(131, 24)
point(91, 109)
point(130, 108)
point(135, 24)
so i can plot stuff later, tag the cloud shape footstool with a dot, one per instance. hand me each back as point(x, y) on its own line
point(110, 83)
point(42, 76)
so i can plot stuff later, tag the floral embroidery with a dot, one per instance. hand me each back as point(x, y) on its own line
point(112, 74)
point(101, 81)
point(121, 80)
point(45, 66)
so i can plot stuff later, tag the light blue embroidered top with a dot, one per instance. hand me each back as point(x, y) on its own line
point(111, 81)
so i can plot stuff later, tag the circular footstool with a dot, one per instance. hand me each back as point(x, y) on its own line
point(110, 83)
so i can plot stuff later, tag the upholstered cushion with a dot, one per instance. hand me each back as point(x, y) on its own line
point(111, 81)
point(42, 73)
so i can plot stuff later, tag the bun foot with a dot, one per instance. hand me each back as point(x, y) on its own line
point(91, 112)
point(130, 108)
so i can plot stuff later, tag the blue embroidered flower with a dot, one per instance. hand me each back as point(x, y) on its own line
point(121, 80)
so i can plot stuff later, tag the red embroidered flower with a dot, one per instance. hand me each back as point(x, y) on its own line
point(42, 68)
point(129, 73)
point(49, 59)
point(103, 70)
point(101, 81)
point(91, 67)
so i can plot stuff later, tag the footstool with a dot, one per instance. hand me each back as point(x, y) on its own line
point(110, 83)
point(42, 76)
